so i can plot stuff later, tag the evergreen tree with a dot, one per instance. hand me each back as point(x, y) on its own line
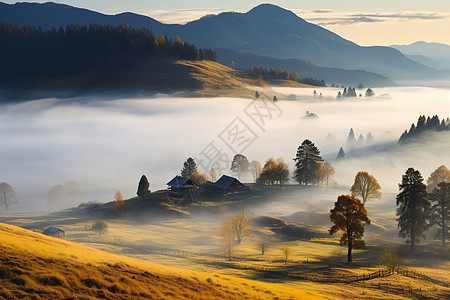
point(413, 209)
point(351, 140)
point(143, 187)
point(369, 138)
point(369, 93)
point(189, 167)
point(307, 157)
point(440, 198)
point(341, 154)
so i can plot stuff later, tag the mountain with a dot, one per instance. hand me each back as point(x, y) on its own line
point(303, 68)
point(435, 55)
point(266, 29)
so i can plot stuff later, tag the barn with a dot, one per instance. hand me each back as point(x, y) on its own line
point(230, 185)
point(181, 184)
point(54, 232)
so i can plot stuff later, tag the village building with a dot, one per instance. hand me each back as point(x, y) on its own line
point(54, 232)
point(230, 185)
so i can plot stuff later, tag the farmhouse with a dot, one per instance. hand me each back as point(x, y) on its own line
point(230, 185)
point(181, 184)
point(54, 232)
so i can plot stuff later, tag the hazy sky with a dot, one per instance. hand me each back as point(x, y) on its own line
point(365, 22)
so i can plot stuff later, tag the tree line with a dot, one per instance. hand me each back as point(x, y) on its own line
point(29, 52)
point(279, 73)
point(424, 125)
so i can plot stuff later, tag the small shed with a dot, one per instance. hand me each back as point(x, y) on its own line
point(230, 185)
point(54, 232)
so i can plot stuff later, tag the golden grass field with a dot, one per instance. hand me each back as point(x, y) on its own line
point(192, 264)
point(35, 266)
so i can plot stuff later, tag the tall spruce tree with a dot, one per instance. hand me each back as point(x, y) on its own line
point(143, 187)
point(413, 209)
point(440, 199)
point(306, 162)
point(189, 167)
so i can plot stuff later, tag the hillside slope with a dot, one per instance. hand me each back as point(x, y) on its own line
point(34, 266)
point(266, 29)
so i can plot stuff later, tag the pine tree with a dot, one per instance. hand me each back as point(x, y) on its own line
point(307, 157)
point(351, 140)
point(413, 209)
point(143, 187)
point(341, 154)
point(189, 167)
point(440, 198)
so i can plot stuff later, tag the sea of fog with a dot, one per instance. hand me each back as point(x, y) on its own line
point(107, 144)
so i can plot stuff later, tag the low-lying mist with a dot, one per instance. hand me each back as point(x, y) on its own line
point(106, 145)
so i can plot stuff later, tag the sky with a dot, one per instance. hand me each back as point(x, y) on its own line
point(382, 22)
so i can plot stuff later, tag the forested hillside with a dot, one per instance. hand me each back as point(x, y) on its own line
point(28, 52)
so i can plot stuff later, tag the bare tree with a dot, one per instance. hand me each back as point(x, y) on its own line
point(365, 187)
point(242, 225)
point(118, 202)
point(256, 169)
point(7, 195)
point(327, 171)
point(262, 245)
point(227, 235)
point(100, 227)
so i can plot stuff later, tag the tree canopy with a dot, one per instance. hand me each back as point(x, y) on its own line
point(440, 211)
point(239, 165)
point(365, 187)
point(189, 167)
point(70, 50)
point(143, 187)
point(7, 195)
point(441, 174)
point(349, 217)
point(413, 207)
point(307, 157)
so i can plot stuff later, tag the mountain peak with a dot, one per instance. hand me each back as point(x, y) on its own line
point(267, 9)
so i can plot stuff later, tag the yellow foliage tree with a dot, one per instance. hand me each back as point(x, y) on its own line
point(118, 202)
point(198, 177)
point(242, 225)
point(366, 187)
point(227, 235)
point(441, 174)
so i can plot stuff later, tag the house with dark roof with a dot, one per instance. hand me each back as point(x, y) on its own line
point(179, 183)
point(54, 232)
point(230, 185)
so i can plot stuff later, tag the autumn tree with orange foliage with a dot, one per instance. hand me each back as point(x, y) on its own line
point(349, 216)
point(366, 187)
point(118, 202)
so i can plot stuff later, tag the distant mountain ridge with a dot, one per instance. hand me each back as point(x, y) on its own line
point(436, 55)
point(231, 58)
point(266, 29)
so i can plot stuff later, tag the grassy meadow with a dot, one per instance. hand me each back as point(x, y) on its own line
point(316, 266)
